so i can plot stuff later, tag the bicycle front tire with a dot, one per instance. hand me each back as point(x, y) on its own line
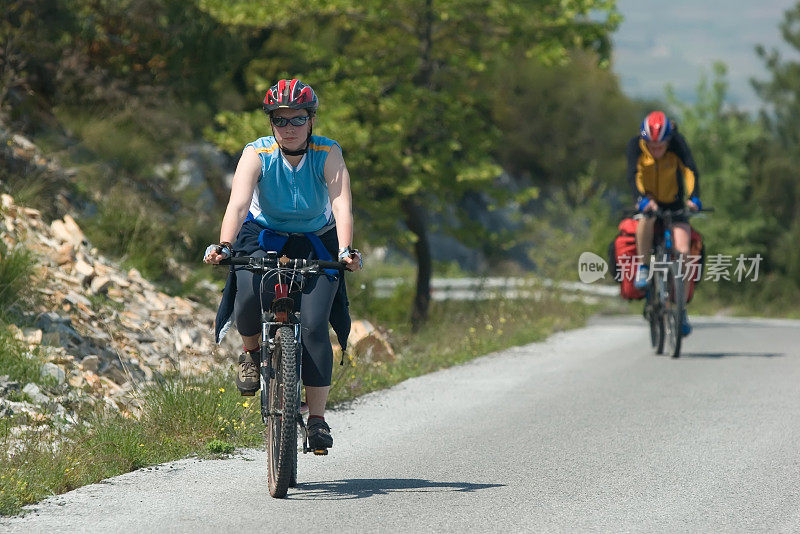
point(656, 316)
point(283, 410)
point(674, 311)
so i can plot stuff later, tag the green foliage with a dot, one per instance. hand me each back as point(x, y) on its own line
point(16, 268)
point(782, 92)
point(403, 85)
point(557, 121)
point(218, 446)
point(776, 160)
point(90, 52)
point(722, 141)
point(127, 226)
point(588, 226)
point(32, 33)
point(752, 187)
point(181, 416)
point(407, 89)
point(149, 237)
point(20, 364)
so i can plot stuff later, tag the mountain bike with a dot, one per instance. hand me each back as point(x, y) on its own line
point(665, 298)
point(281, 362)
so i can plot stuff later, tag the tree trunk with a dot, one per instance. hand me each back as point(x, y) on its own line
point(415, 220)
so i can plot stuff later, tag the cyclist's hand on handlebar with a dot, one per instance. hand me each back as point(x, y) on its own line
point(694, 204)
point(352, 259)
point(216, 253)
point(647, 204)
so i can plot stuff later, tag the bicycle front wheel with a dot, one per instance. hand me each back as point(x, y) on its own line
point(283, 411)
point(673, 315)
point(655, 314)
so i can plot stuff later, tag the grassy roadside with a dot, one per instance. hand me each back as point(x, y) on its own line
point(185, 416)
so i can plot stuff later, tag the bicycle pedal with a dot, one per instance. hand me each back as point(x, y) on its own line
point(320, 452)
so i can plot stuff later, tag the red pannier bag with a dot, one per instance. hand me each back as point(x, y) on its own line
point(623, 261)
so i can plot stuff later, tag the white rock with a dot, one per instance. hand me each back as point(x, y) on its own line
point(52, 370)
point(83, 268)
point(90, 363)
point(23, 142)
point(74, 230)
point(100, 284)
point(33, 391)
point(111, 406)
point(33, 336)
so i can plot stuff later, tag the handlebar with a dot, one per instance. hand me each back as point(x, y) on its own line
point(662, 212)
point(272, 261)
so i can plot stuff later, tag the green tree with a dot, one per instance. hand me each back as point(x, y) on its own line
point(724, 143)
point(560, 120)
point(777, 162)
point(90, 53)
point(781, 93)
point(406, 87)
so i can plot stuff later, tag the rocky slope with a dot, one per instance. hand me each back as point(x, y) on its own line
point(103, 331)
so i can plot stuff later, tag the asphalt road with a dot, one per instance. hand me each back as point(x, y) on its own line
point(586, 432)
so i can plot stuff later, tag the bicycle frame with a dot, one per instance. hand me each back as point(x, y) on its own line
point(288, 273)
point(280, 313)
point(665, 302)
point(280, 329)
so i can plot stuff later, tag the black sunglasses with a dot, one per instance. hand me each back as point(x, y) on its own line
point(295, 121)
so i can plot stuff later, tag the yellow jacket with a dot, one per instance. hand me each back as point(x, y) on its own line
point(668, 179)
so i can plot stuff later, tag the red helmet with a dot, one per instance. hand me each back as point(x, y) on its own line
point(292, 94)
point(656, 127)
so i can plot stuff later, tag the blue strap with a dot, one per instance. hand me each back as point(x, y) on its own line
point(271, 240)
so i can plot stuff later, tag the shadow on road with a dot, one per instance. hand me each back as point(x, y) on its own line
point(359, 488)
point(731, 354)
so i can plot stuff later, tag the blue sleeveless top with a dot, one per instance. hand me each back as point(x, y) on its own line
point(292, 199)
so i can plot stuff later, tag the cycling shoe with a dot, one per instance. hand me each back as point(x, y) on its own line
point(319, 434)
point(642, 273)
point(686, 328)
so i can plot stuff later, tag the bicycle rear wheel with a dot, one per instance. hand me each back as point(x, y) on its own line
point(283, 412)
point(673, 315)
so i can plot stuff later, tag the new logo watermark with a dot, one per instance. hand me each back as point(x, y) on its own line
point(591, 267)
point(714, 267)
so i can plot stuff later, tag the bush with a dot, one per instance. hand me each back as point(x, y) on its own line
point(219, 446)
point(16, 267)
point(16, 361)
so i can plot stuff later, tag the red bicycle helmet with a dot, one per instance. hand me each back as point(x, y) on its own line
point(656, 127)
point(292, 94)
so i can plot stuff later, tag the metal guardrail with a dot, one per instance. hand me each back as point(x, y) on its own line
point(500, 288)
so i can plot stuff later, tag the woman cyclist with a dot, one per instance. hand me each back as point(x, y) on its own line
point(662, 174)
point(290, 193)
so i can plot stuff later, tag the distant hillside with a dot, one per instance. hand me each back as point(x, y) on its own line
point(673, 42)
